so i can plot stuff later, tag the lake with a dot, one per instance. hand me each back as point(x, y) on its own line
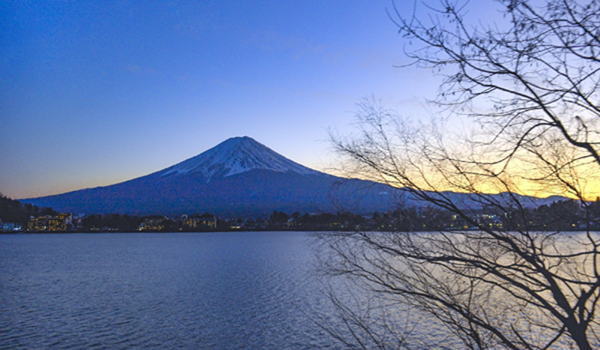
point(231, 290)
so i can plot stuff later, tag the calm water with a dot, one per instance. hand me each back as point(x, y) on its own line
point(182, 290)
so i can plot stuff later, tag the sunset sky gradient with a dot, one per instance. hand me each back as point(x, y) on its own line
point(94, 93)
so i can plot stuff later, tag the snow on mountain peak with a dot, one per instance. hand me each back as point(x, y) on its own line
point(234, 156)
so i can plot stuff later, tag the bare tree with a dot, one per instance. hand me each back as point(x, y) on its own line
point(531, 85)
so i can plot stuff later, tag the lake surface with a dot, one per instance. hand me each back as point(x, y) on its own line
point(234, 290)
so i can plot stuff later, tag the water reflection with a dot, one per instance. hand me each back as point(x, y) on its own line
point(465, 289)
point(241, 290)
point(184, 290)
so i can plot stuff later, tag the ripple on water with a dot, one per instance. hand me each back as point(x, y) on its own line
point(186, 291)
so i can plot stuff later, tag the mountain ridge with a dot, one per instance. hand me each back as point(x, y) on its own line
point(241, 177)
point(238, 177)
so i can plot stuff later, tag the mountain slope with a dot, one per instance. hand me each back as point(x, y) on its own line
point(242, 177)
point(239, 177)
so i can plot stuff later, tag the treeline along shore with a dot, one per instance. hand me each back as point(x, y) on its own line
point(566, 215)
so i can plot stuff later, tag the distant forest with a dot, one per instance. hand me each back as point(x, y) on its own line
point(11, 210)
point(567, 215)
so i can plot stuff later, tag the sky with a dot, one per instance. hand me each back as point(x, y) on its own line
point(94, 93)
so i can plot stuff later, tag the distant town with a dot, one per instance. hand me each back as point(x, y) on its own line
point(565, 215)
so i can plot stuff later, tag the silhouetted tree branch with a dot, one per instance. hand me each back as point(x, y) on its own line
point(531, 85)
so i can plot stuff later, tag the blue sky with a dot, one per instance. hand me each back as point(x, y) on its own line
point(94, 93)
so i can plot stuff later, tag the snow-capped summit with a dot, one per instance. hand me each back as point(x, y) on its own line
point(234, 156)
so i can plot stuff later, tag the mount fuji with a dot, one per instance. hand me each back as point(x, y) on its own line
point(238, 177)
